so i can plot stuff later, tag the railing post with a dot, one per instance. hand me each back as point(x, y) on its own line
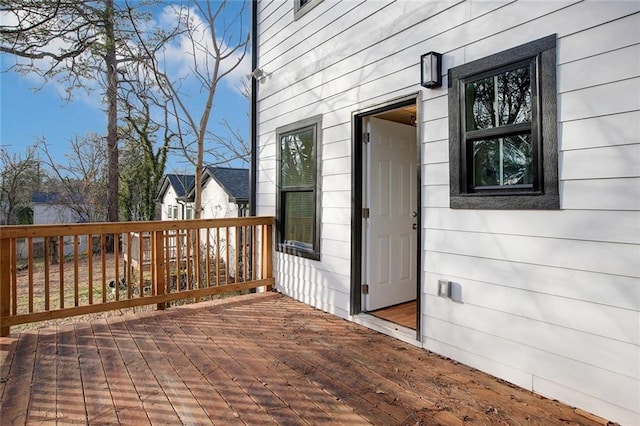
point(5, 284)
point(267, 252)
point(158, 265)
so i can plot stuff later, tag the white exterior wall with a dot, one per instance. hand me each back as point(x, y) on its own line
point(50, 213)
point(169, 199)
point(550, 300)
point(215, 202)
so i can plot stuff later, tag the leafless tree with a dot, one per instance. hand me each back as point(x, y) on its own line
point(73, 42)
point(20, 176)
point(82, 180)
point(216, 41)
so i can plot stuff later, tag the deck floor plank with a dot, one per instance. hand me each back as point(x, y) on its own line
point(98, 401)
point(127, 405)
point(192, 366)
point(254, 359)
point(16, 396)
point(42, 407)
point(70, 402)
point(154, 401)
point(265, 368)
point(151, 339)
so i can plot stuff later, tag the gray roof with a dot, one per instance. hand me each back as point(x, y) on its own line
point(181, 183)
point(56, 198)
point(235, 182)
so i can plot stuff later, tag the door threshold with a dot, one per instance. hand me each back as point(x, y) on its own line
point(405, 334)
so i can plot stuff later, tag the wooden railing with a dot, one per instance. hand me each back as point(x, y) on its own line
point(57, 271)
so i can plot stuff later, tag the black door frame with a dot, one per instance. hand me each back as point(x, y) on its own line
point(357, 200)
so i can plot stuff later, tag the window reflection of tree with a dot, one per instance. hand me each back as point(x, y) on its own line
point(297, 159)
point(495, 101)
point(298, 180)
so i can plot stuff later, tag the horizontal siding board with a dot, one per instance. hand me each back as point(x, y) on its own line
point(613, 388)
point(598, 69)
point(436, 174)
point(595, 132)
point(605, 226)
point(291, 36)
point(613, 98)
point(338, 216)
point(337, 182)
point(588, 322)
point(434, 153)
point(337, 199)
point(333, 246)
point(603, 194)
point(435, 196)
point(473, 359)
point(611, 258)
point(572, 46)
point(593, 287)
point(318, 53)
point(436, 130)
point(607, 410)
point(336, 166)
point(612, 162)
point(337, 232)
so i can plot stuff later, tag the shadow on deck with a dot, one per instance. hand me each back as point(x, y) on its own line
point(255, 359)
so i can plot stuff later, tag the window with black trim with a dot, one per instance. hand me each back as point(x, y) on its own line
point(503, 131)
point(301, 7)
point(297, 203)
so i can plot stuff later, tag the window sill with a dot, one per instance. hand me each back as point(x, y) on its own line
point(297, 251)
point(506, 202)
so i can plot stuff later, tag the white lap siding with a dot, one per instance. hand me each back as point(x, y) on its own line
point(549, 300)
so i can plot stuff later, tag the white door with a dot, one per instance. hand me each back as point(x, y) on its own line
point(390, 232)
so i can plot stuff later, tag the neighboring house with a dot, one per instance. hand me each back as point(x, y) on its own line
point(173, 196)
point(225, 194)
point(54, 208)
point(504, 202)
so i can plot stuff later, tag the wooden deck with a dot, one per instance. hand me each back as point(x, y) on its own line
point(256, 359)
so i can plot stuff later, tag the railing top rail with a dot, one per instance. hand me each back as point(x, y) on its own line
point(24, 231)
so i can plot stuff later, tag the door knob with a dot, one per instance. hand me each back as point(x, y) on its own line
point(415, 226)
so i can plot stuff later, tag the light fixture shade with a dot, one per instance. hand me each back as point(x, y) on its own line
point(431, 70)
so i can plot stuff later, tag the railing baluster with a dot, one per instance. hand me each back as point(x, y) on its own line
point(116, 264)
point(7, 284)
point(227, 264)
point(254, 248)
point(217, 257)
point(14, 274)
point(103, 263)
point(158, 265)
point(208, 257)
point(127, 265)
point(45, 243)
point(61, 269)
point(76, 274)
point(90, 267)
point(188, 257)
point(30, 266)
point(197, 253)
point(141, 263)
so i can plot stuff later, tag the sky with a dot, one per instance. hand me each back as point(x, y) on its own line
point(30, 111)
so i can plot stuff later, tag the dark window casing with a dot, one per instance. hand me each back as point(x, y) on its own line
point(536, 60)
point(302, 7)
point(298, 198)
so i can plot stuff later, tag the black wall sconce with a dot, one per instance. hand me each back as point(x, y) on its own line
point(431, 70)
